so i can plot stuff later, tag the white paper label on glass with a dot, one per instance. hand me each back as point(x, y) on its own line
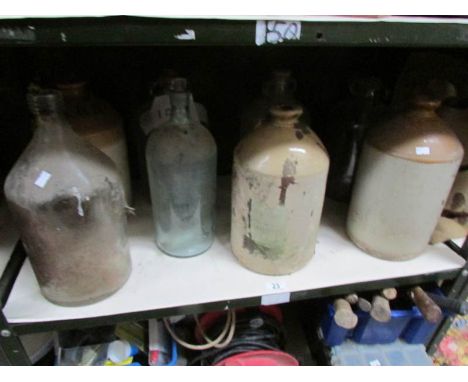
point(42, 179)
point(423, 150)
point(276, 32)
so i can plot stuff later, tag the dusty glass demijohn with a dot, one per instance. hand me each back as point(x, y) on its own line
point(96, 121)
point(407, 166)
point(181, 159)
point(279, 176)
point(68, 202)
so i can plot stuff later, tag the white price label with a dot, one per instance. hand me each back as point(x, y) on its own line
point(277, 293)
point(42, 179)
point(424, 150)
point(275, 32)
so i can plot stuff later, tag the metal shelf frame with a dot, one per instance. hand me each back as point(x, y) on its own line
point(141, 31)
point(132, 31)
point(16, 355)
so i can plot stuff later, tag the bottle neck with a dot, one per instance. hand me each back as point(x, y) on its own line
point(285, 116)
point(423, 108)
point(179, 108)
point(51, 129)
point(280, 91)
point(366, 106)
point(74, 91)
point(49, 120)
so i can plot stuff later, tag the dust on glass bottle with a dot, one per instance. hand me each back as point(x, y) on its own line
point(181, 158)
point(348, 124)
point(279, 176)
point(97, 122)
point(278, 90)
point(68, 202)
point(405, 172)
point(156, 112)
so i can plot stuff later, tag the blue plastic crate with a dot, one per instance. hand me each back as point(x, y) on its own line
point(369, 331)
point(419, 330)
point(333, 334)
point(397, 353)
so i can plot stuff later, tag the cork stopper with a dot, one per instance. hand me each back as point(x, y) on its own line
point(426, 102)
point(286, 115)
point(178, 85)
point(73, 89)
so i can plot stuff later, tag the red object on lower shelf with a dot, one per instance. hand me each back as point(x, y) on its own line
point(260, 358)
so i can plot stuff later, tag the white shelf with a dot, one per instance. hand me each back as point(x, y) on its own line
point(159, 281)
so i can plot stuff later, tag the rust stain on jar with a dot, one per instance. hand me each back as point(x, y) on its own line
point(249, 205)
point(252, 246)
point(285, 182)
point(289, 170)
point(299, 127)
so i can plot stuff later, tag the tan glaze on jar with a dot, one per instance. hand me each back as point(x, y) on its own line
point(407, 167)
point(279, 176)
point(96, 121)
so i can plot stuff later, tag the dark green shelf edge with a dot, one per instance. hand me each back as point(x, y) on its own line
point(35, 327)
point(140, 31)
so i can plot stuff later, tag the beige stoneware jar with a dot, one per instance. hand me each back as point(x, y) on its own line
point(407, 167)
point(456, 206)
point(279, 177)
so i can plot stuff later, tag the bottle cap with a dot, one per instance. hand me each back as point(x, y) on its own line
point(286, 112)
point(119, 351)
point(178, 85)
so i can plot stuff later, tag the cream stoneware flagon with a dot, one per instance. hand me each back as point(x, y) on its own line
point(407, 167)
point(279, 177)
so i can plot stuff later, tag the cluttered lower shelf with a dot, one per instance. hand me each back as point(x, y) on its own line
point(163, 284)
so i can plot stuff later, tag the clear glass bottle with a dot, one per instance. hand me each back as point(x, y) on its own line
point(69, 204)
point(154, 113)
point(278, 90)
point(181, 158)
